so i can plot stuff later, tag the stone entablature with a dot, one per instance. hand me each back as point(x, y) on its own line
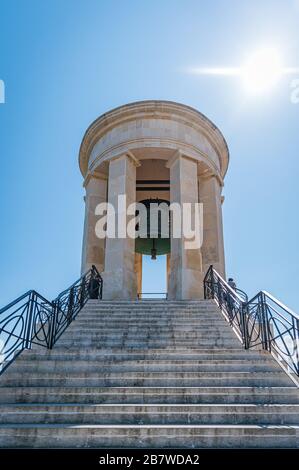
point(157, 125)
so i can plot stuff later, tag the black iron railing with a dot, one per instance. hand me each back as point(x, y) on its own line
point(262, 322)
point(32, 319)
point(228, 300)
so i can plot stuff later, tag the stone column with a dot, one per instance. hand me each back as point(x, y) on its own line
point(186, 276)
point(167, 271)
point(119, 278)
point(213, 246)
point(138, 271)
point(93, 251)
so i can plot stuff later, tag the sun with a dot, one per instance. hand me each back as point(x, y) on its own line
point(262, 70)
point(259, 73)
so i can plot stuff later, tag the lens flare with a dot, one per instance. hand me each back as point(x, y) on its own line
point(262, 71)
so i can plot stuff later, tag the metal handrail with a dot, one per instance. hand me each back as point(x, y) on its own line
point(242, 294)
point(232, 291)
point(261, 322)
point(33, 319)
point(278, 302)
point(228, 300)
point(14, 302)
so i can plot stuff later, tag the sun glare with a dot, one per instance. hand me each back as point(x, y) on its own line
point(262, 71)
point(258, 75)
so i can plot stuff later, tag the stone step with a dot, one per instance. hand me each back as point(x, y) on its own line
point(113, 365)
point(124, 324)
point(136, 345)
point(102, 341)
point(150, 414)
point(155, 313)
point(195, 319)
point(148, 436)
point(143, 314)
point(170, 328)
point(165, 326)
point(143, 334)
point(150, 379)
point(151, 306)
point(150, 395)
point(158, 309)
point(148, 374)
point(146, 335)
point(153, 303)
point(206, 315)
point(214, 311)
point(145, 301)
point(132, 354)
point(192, 353)
point(150, 323)
point(107, 356)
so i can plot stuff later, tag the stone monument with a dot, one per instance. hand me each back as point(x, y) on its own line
point(157, 150)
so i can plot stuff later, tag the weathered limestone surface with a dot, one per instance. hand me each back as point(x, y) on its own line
point(167, 271)
point(148, 374)
point(119, 277)
point(138, 270)
point(213, 244)
point(186, 275)
point(93, 251)
point(154, 124)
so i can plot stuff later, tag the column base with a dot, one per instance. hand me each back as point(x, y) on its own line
point(186, 284)
point(119, 284)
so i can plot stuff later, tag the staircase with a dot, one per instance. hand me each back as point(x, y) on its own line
point(148, 374)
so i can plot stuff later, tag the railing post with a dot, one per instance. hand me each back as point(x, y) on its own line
point(212, 282)
point(208, 284)
point(219, 293)
point(70, 306)
point(93, 288)
point(296, 344)
point(205, 284)
point(53, 323)
point(264, 323)
point(30, 321)
point(101, 288)
point(244, 326)
point(82, 293)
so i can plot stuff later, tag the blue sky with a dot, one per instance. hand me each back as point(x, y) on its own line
point(66, 62)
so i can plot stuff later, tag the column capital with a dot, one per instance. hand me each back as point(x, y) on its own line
point(178, 154)
point(128, 154)
point(94, 175)
point(209, 175)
